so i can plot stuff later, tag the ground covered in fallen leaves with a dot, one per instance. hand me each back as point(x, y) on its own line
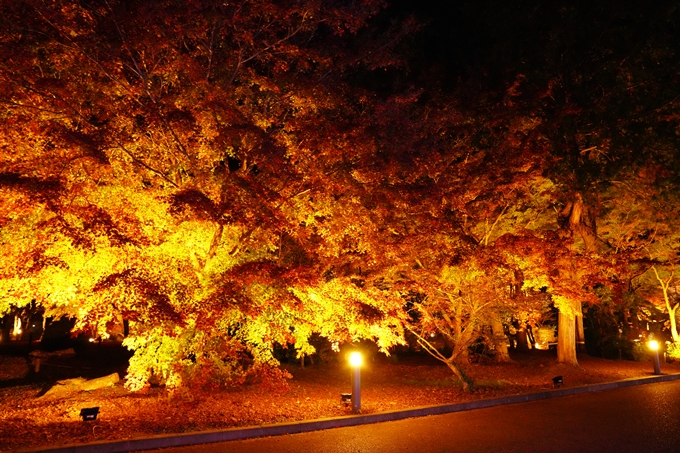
point(29, 421)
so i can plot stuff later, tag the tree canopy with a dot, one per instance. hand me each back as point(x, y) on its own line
point(230, 177)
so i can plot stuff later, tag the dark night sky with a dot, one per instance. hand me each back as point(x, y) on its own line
point(496, 39)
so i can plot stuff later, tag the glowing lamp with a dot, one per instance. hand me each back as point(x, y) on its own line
point(355, 359)
point(653, 345)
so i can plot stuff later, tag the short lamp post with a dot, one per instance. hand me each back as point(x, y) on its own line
point(355, 361)
point(654, 346)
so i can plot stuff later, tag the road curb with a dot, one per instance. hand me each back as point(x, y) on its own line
point(204, 437)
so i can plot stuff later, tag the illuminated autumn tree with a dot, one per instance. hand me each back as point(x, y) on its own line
point(640, 210)
point(231, 176)
point(183, 166)
point(600, 80)
point(453, 197)
point(463, 299)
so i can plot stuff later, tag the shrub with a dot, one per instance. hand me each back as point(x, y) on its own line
point(620, 347)
point(639, 352)
point(673, 351)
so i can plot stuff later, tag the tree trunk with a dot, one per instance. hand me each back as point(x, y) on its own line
point(566, 338)
point(522, 342)
point(582, 222)
point(460, 374)
point(44, 325)
point(500, 341)
point(580, 333)
point(4, 337)
point(674, 324)
point(459, 345)
point(671, 307)
point(570, 326)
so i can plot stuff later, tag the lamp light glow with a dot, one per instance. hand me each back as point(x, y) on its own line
point(653, 345)
point(355, 359)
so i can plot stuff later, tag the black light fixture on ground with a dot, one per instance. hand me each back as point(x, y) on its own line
point(557, 381)
point(355, 361)
point(654, 346)
point(89, 413)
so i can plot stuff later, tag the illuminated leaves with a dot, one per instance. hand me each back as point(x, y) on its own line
point(342, 312)
point(226, 171)
point(153, 156)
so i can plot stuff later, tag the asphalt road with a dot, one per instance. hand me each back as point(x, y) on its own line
point(634, 419)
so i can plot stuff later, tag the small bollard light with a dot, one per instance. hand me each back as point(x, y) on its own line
point(89, 413)
point(654, 346)
point(355, 361)
point(557, 381)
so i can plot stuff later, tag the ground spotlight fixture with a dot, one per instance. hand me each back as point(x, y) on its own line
point(89, 413)
point(557, 381)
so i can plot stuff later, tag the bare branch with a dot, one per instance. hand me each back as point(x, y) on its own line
point(146, 166)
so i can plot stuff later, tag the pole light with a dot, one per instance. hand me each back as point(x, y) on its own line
point(355, 361)
point(654, 346)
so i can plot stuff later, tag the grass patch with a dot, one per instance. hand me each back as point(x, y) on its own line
point(492, 383)
point(453, 382)
point(447, 382)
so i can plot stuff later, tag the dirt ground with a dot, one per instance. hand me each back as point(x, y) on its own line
point(29, 421)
